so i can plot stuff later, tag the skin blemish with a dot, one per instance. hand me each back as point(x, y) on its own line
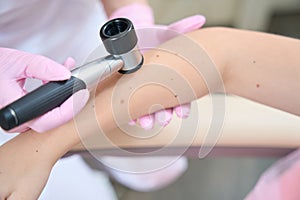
point(157, 56)
point(257, 85)
point(122, 101)
point(36, 151)
point(254, 61)
point(171, 79)
point(175, 95)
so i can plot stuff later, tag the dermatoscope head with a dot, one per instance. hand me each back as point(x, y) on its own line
point(119, 38)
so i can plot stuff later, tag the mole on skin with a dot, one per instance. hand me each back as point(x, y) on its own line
point(257, 85)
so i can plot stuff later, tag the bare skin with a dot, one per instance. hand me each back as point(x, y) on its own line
point(261, 67)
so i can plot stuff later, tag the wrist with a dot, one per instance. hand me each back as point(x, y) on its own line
point(31, 147)
point(60, 140)
point(50, 146)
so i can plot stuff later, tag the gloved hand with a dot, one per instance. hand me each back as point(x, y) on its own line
point(123, 169)
point(280, 181)
point(141, 16)
point(16, 66)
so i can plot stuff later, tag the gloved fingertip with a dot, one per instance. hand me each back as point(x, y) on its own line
point(57, 73)
point(132, 122)
point(139, 13)
point(164, 117)
point(62, 74)
point(183, 111)
point(69, 63)
point(188, 24)
point(147, 122)
point(201, 19)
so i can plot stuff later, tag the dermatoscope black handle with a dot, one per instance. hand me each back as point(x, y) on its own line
point(38, 102)
point(119, 39)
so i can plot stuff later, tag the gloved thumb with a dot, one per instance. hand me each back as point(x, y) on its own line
point(188, 24)
point(69, 63)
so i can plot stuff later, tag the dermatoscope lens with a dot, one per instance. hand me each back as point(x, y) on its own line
point(116, 27)
point(118, 36)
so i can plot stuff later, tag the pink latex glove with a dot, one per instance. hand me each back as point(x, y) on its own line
point(281, 181)
point(150, 36)
point(16, 66)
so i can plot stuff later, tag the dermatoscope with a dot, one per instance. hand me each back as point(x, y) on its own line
point(120, 41)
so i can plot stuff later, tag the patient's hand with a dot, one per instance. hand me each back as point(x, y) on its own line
point(24, 167)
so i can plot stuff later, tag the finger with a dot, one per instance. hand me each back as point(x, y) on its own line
point(62, 114)
point(183, 111)
point(69, 63)
point(163, 117)
point(188, 24)
point(12, 91)
point(140, 14)
point(132, 123)
point(147, 121)
point(45, 69)
point(20, 129)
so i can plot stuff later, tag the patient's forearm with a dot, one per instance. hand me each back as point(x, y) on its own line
point(258, 66)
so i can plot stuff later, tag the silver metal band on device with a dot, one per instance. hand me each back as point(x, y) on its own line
point(96, 71)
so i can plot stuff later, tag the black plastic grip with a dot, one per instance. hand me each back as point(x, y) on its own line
point(39, 102)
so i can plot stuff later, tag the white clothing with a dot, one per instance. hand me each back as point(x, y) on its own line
point(54, 28)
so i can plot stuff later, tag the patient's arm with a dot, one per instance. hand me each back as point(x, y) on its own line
point(261, 67)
